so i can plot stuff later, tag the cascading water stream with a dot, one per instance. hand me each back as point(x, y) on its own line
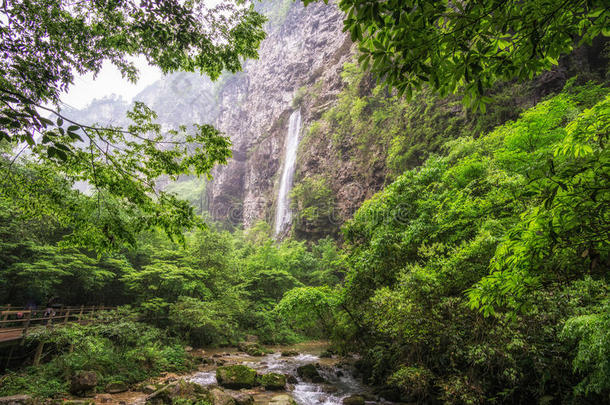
point(340, 383)
point(283, 214)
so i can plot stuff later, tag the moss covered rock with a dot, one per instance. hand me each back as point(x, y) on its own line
point(289, 353)
point(283, 399)
point(254, 349)
point(236, 377)
point(310, 373)
point(219, 397)
point(273, 381)
point(116, 387)
point(181, 391)
point(353, 400)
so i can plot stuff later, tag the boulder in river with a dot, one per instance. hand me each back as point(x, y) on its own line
point(236, 377)
point(273, 381)
point(310, 373)
point(283, 399)
point(329, 389)
point(83, 383)
point(253, 349)
point(219, 397)
point(289, 353)
point(353, 400)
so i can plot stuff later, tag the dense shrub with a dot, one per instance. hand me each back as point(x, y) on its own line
point(487, 267)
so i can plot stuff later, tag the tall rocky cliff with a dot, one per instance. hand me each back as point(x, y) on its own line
point(307, 48)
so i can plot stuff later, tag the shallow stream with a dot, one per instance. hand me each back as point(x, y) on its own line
point(338, 373)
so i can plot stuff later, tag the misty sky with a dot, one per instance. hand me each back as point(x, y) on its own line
point(109, 81)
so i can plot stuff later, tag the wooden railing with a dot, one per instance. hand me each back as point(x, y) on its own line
point(16, 322)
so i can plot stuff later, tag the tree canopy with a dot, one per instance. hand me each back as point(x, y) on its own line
point(45, 43)
point(451, 44)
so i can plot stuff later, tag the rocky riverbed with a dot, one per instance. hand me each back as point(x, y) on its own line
point(305, 374)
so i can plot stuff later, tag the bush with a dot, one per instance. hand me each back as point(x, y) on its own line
point(120, 350)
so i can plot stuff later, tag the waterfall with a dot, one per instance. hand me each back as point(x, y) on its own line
point(283, 214)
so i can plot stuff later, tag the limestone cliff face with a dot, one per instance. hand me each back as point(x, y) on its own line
point(307, 48)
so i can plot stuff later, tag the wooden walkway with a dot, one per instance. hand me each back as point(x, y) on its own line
point(16, 323)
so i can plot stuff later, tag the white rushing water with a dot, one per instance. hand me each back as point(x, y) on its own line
point(339, 384)
point(283, 215)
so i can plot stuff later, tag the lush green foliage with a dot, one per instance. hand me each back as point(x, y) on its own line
point(371, 135)
point(591, 332)
point(212, 290)
point(44, 43)
point(519, 218)
point(313, 202)
point(117, 348)
point(468, 44)
point(310, 308)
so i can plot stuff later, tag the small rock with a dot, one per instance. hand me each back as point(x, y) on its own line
point(219, 397)
point(220, 362)
point(83, 383)
point(340, 373)
point(283, 399)
point(217, 355)
point(353, 400)
point(329, 389)
point(369, 397)
point(188, 349)
point(291, 379)
point(289, 353)
point(326, 354)
point(17, 400)
point(116, 387)
point(243, 399)
point(161, 395)
point(104, 398)
point(206, 360)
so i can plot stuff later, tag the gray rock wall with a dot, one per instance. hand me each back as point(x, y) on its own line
point(308, 47)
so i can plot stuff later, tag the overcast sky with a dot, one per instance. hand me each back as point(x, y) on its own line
point(108, 82)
